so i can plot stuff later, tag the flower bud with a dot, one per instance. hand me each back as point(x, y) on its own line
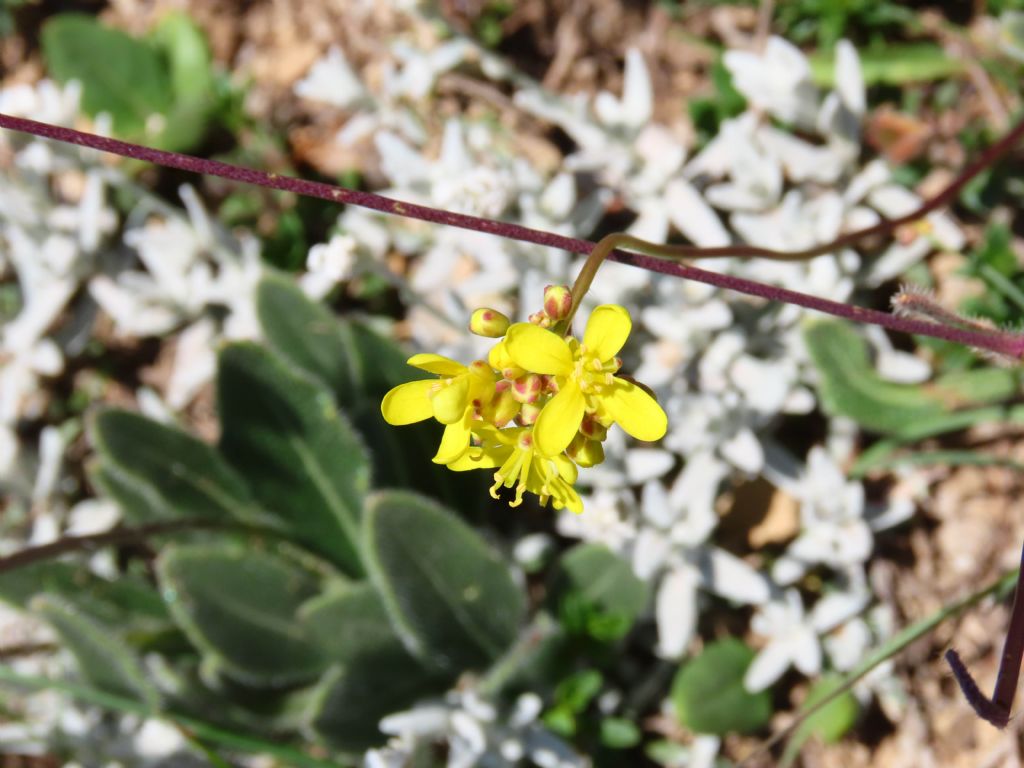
point(528, 415)
point(541, 319)
point(488, 322)
point(526, 389)
point(557, 301)
point(502, 408)
point(586, 453)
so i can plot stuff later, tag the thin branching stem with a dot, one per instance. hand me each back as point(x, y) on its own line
point(92, 541)
point(1012, 347)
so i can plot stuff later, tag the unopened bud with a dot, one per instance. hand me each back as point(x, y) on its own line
point(503, 408)
point(557, 301)
point(488, 322)
point(586, 453)
point(541, 319)
point(528, 414)
point(526, 389)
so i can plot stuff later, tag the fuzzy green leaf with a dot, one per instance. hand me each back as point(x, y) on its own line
point(375, 674)
point(103, 660)
point(300, 456)
point(359, 366)
point(241, 606)
point(156, 470)
point(451, 597)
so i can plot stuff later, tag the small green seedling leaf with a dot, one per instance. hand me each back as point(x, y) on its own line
point(830, 723)
point(450, 596)
point(709, 696)
point(619, 733)
point(597, 587)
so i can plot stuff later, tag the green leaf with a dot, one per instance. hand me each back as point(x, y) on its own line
point(355, 697)
point(128, 603)
point(894, 64)
point(594, 582)
point(348, 621)
point(241, 606)
point(159, 472)
point(309, 337)
point(119, 74)
point(359, 366)
point(450, 596)
point(103, 660)
point(190, 66)
point(850, 386)
point(579, 689)
point(619, 733)
point(300, 456)
point(139, 502)
point(375, 674)
point(190, 71)
point(709, 696)
point(952, 458)
point(830, 723)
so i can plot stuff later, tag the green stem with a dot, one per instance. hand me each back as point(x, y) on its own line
point(198, 728)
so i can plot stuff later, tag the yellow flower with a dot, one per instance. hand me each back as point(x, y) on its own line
point(585, 377)
point(454, 399)
point(521, 465)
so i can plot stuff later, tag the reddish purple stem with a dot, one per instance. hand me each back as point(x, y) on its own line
point(1000, 343)
point(997, 709)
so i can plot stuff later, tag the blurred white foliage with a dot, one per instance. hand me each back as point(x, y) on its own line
point(188, 272)
point(475, 733)
point(794, 635)
point(725, 367)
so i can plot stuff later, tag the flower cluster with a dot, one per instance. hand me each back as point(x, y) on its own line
point(540, 405)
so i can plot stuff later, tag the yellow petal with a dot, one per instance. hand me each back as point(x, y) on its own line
point(454, 441)
point(635, 411)
point(607, 330)
point(538, 350)
point(566, 469)
point(438, 364)
point(451, 400)
point(408, 403)
point(559, 420)
point(480, 458)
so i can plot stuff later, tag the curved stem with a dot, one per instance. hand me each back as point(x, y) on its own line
point(996, 710)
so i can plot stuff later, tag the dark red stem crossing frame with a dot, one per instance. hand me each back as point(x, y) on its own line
point(1003, 344)
point(995, 710)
